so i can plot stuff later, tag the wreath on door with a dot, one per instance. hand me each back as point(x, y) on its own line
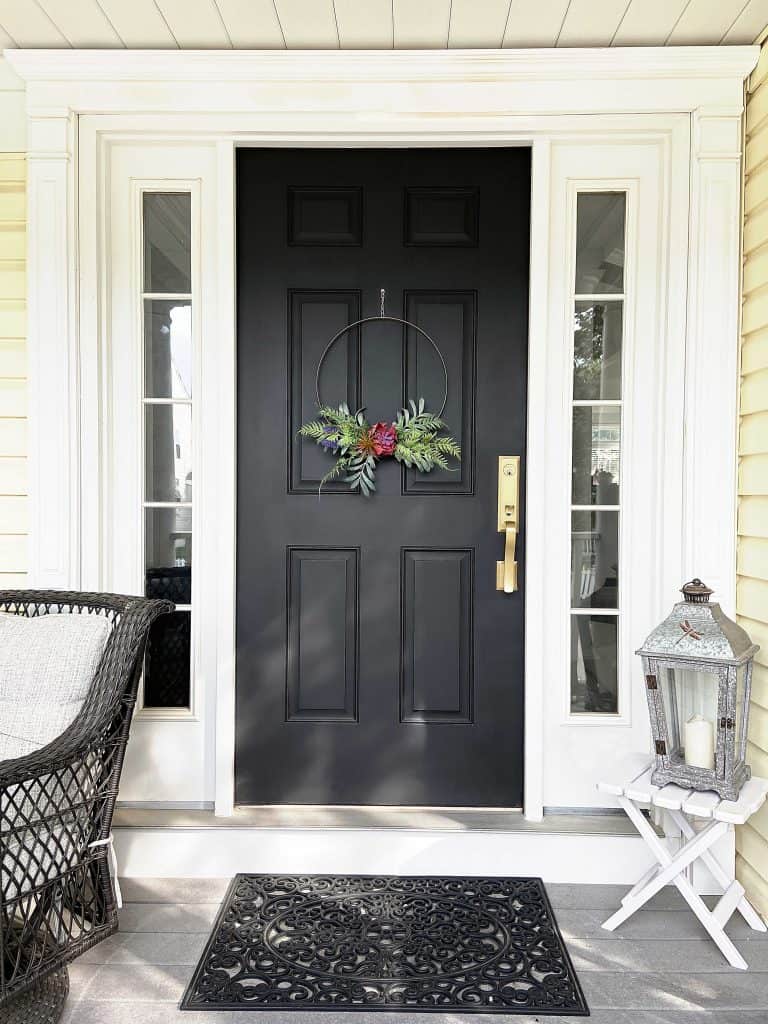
point(415, 437)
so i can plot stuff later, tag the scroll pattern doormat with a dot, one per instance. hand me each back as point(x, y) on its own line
point(351, 942)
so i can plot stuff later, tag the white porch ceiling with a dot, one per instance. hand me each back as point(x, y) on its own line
point(377, 24)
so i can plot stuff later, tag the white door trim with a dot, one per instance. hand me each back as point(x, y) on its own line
point(553, 81)
point(384, 98)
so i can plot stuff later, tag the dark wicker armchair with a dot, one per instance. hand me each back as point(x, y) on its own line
point(56, 805)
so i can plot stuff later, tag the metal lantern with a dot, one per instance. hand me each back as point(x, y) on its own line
point(698, 674)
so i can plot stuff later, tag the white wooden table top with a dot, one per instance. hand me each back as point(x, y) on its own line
point(637, 786)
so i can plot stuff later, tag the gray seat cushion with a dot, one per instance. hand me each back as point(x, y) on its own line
point(47, 664)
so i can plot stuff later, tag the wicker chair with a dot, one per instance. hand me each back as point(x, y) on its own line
point(56, 804)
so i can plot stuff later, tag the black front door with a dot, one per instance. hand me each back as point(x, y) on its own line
point(377, 663)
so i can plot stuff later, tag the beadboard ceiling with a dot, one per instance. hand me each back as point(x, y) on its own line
point(379, 24)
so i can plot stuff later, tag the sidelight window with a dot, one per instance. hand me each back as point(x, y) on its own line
point(167, 311)
point(598, 311)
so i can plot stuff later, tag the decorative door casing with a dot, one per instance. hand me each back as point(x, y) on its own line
point(154, 770)
point(153, 100)
point(579, 744)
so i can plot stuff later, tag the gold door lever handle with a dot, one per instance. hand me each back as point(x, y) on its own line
point(506, 571)
point(509, 472)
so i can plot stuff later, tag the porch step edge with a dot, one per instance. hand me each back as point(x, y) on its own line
point(373, 818)
point(223, 852)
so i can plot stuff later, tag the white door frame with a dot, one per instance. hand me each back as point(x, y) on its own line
point(81, 103)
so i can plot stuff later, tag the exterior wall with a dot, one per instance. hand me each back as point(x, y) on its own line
point(752, 564)
point(13, 114)
point(13, 356)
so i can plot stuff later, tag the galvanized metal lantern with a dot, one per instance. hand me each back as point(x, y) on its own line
point(698, 674)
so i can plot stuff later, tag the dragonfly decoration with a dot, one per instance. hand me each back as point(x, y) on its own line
point(688, 631)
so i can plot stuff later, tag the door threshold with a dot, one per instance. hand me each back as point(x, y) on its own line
point(441, 819)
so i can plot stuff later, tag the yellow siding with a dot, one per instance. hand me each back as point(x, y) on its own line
point(13, 372)
point(752, 565)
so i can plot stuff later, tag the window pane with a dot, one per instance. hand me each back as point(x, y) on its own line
point(595, 560)
point(168, 538)
point(600, 243)
point(167, 662)
point(597, 350)
point(596, 446)
point(167, 348)
point(167, 242)
point(174, 583)
point(168, 452)
point(593, 664)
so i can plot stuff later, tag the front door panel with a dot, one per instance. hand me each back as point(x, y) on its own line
point(377, 663)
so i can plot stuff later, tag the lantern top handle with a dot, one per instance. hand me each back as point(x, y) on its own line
point(696, 592)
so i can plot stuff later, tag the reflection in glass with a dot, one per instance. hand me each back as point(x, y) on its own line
point(600, 243)
point(168, 452)
point(597, 350)
point(168, 538)
point(167, 348)
point(172, 583)
point(167, 662)
point(167, 243)
point(594, 685)
point(596, 451)
point(687, 694)
point(595, 559)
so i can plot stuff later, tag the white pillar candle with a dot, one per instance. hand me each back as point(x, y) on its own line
point(699, 742)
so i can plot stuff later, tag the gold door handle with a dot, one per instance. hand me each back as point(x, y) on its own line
point(509, 475)
point(506, 571)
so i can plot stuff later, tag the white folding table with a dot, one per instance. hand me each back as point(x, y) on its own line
point(674, 867)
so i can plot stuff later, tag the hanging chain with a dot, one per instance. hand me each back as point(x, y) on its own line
point(392, 319)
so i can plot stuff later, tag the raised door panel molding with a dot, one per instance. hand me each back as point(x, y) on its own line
point(441, 216)
point(314, 318)
point(323, 642)
point(326, 216)
point(450, 319)
point(437, 635)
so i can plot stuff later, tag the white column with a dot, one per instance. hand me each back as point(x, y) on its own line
point(712, 344)
point(52, 339)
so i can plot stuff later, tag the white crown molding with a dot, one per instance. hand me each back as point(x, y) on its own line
point(373, 86)
point(689, 62)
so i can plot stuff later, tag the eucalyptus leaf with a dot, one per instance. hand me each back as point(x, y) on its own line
point(350, 439)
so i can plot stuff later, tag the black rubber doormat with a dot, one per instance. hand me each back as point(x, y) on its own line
point(363, 942)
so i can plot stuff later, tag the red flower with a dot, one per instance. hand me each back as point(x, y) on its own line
point(384, 438)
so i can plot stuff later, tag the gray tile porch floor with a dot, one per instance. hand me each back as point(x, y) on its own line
point(659, 968)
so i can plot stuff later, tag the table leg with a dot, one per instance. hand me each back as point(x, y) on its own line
point(744, 907)
point(672, 870)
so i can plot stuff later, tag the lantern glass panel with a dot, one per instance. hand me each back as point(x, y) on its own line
point(690, 708)
point(741, 681)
